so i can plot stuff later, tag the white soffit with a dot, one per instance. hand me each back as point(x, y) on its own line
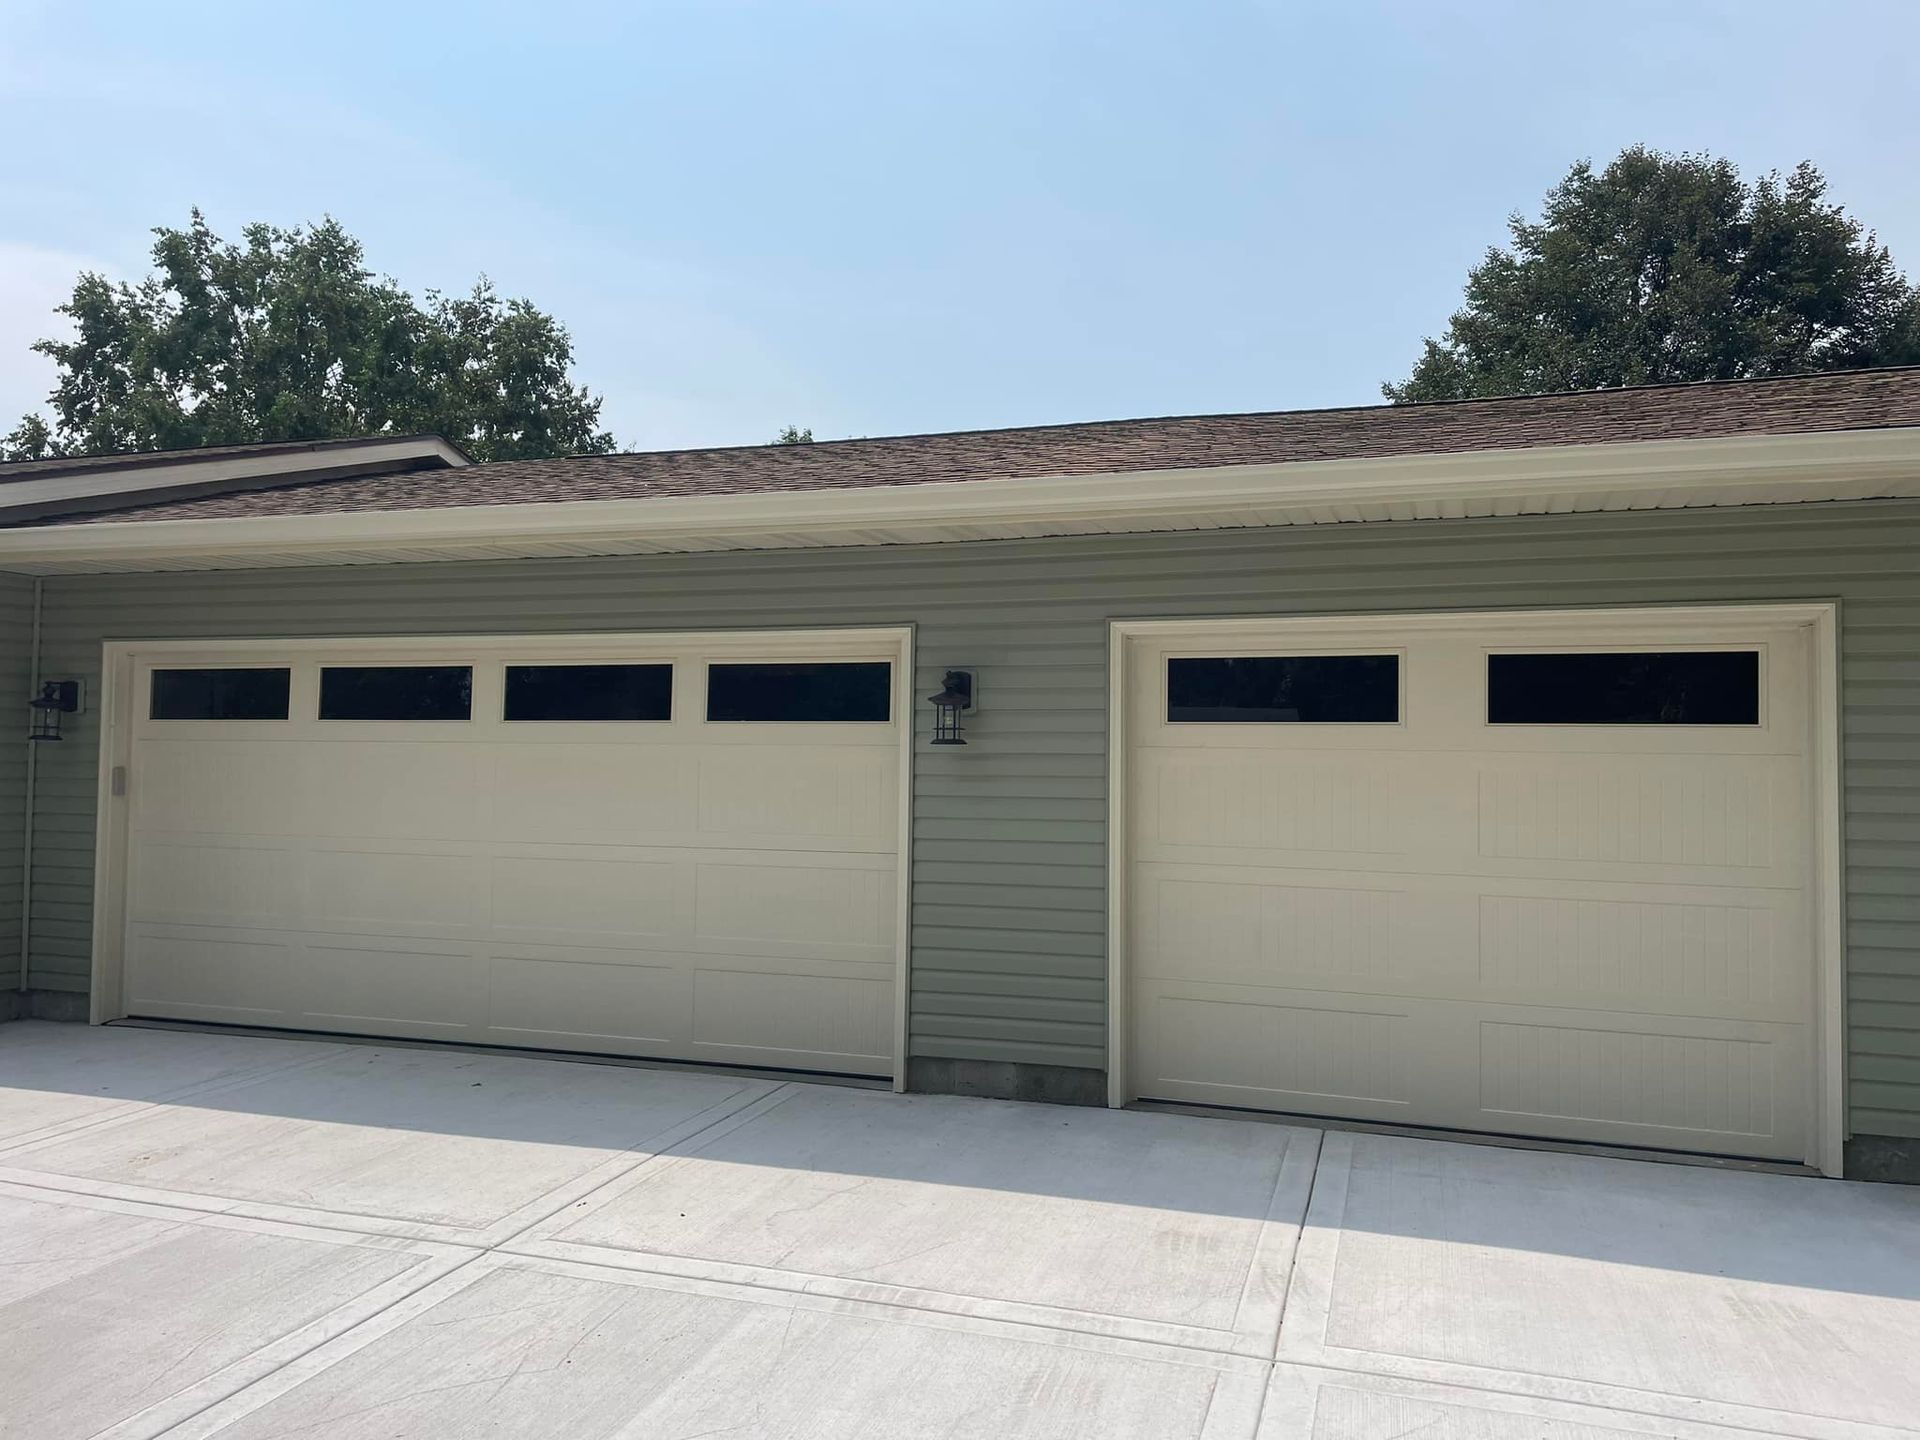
point(1548, 480)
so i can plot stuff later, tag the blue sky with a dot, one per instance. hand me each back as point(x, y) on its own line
point(895, 216)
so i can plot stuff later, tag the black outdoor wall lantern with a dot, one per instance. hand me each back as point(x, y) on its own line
point(56, 698)
point(956, 695)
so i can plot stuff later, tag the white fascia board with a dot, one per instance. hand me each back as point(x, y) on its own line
point(138, 477)
point(1585, 478)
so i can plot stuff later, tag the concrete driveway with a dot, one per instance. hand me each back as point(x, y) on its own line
point(209, 1235)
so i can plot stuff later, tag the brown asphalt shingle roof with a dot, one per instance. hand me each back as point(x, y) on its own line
point(1862, 399)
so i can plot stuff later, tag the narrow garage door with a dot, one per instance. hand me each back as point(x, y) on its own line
point(1546, 878)
point(685, 848)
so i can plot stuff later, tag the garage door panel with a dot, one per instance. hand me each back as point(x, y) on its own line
point(1295, 928)
point(825, 957)
point(1687, 950)
point(195, 881)
point(729, 1008)
point(219, 787)
point(390, 985)
point(1672, 1082)
point(1583, 931)
point(1740, 957)
point(1280, 1050)
point(389, 790)
point(773, 794)
point(1718, 1090)
point(614, 1001)
point(667, 888)
point(194, 973)
point(1726, 813)
point(606, 901)
point(796, 905)
point(838, 1022)
point(630, 794)
point(1260, 803)
point(394, 892)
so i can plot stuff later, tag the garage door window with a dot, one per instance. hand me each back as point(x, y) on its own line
point(1640, 687)
point(808, 692)
point(396, 692)
point(1281, 689)
point(235, 694)
point(589, 692)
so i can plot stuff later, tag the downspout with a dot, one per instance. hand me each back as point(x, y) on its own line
point(26, 825)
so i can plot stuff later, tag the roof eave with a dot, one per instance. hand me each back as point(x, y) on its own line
point(135, 481)
point(1660, 474)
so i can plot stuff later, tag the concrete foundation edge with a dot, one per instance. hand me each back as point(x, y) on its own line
point(1008, 1080)
point(1891, 1159)
point(43, 1005)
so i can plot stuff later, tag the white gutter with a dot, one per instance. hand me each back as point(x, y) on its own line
point(1836, 465)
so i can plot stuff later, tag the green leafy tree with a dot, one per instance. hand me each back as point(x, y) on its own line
point(29, 440)
point(793, 435)
point(287, 335)
point(1672, 268)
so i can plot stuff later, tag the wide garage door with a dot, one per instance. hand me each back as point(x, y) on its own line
point(677, 847)
point(1545, 876)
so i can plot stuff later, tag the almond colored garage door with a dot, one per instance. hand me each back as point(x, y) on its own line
point(684, 849)
point(1550, 880)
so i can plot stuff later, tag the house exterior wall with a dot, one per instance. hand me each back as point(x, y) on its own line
point(16, 675)
point(1008, 957)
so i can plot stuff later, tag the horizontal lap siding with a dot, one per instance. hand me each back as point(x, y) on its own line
point(1009, 898)
point(16, 678)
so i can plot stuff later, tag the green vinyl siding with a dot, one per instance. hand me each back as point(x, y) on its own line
point(16, 678)
point(1008, 959)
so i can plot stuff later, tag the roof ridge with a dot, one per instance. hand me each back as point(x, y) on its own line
point(799, 450)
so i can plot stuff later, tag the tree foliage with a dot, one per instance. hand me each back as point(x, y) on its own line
point(31, 439)
point(1667, 268)
point(287, 335)
point(794, 435)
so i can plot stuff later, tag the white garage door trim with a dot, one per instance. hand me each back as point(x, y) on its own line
point(1827, 1082)
point(122, 663)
